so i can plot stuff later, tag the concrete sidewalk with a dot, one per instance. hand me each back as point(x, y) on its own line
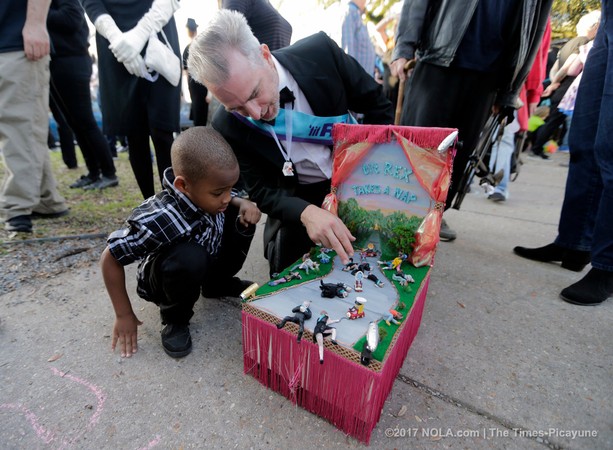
point(499, 362)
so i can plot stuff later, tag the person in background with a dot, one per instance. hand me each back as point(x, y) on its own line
point(199, 110)
point(266, 23)
point(536, 121)
point(555, 126)
point(64, 132)
point(529, 96)
point(71, 70)
point(28, 188)
point(472, 56)
point(133, 102)
point(585, 234)
point(355, 39)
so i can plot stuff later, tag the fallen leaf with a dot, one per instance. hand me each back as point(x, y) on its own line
point(435, 438)
point(402, 411)
point(55, 357)
point(461, 305)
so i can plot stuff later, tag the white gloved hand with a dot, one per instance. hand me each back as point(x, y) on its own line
point(105, 25)
point(132, 42)
point(136, 66)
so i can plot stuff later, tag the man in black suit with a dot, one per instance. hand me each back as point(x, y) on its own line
point(285, 169)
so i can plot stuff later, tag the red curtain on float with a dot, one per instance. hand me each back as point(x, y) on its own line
point(431, 168)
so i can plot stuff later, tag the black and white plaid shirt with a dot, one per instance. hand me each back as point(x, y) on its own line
point(166, 218)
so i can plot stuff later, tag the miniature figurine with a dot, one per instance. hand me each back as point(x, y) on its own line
point(301, 313)
point(323, 255)
point(403, 278)
point(370, 251)
point(322, 330)
point(359, 276)
point(306, 264)
point(394, 263)
point(393, 317)
point(357, 310)
point(331, 290)
point(289, 277)
point(372, 341)
point(350, 266)
point(365, 268)
point(363, 256)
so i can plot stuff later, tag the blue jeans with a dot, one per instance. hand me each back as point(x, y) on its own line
point(586, 221)
point(500, 158)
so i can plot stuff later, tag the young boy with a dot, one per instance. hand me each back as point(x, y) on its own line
point(535, 122)
point(182, 240)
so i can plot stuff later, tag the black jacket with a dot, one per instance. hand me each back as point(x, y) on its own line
point(433, 29)
point(333, 83)
point(67, 28)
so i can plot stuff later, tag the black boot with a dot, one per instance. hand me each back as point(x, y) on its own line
point(574, 260)
point(593, 289)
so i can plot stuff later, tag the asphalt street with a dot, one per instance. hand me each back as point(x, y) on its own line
point(500, 362)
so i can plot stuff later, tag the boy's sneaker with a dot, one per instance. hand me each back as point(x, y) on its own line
point(103, 183)
point(85, 180)
point(176, 340)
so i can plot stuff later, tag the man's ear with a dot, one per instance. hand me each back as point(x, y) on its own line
point(266, 52)
point(180, 184)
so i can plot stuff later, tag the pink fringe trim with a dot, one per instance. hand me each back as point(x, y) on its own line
point(347, 394)
point(379, 134)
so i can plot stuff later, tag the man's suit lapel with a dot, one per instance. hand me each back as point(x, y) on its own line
point(308, 75)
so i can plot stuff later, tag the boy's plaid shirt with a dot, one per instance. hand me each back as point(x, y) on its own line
point(167, 218)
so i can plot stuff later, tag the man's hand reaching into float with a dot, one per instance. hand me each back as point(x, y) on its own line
point(326, 229)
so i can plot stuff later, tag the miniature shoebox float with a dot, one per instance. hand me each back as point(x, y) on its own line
point(332, 337)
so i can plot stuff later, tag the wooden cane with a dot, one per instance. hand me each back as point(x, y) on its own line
point(408, 66)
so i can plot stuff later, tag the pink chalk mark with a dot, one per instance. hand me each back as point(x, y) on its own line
point(48, 436)
point(92, 387)
point(152, 444)
point(45, 435)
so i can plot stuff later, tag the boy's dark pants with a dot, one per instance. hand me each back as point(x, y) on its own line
point(178, 273)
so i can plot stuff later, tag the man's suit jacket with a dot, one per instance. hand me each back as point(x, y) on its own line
point(333, 83)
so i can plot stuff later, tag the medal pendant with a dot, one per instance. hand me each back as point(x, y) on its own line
point(288, 169)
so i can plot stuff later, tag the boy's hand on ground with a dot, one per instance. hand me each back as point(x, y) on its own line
point(125, 332)
point(326, 229)
point(249, 213)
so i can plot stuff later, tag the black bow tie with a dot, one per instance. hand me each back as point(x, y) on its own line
point(286, 96)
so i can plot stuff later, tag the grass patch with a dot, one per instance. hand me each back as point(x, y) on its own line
point(91, 212)
point(406, 297)
point(324, 269)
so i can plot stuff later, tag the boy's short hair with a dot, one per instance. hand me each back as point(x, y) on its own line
point(542, 111)
point(199, 150)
